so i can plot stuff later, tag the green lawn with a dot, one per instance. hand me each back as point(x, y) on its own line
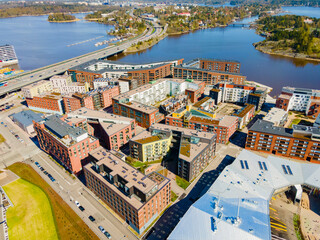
point(174, 196)
point(294, 122)
point(182, 182)
point(31, 216)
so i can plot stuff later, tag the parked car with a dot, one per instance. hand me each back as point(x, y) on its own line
point(77, 203)
point(92, 219)
point(107, 235)
point(36, 163)
point(81, 208)
point(101, 229)
point(45, 173)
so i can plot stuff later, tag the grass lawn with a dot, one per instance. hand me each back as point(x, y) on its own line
point(174, 196)
point(31, 216)
point(182, 182)
point(68, 223)
point(294, 121)
point(2, 139)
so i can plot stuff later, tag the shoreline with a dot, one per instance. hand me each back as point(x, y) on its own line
point(65, 21)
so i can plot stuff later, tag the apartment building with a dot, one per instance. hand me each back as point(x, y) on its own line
point(205, 103)
point(300, 99)
point(172, 104)
point(102, 97)
point(47, 102)
point(113, 131)
point(191, 150)
point(64, 85)
point(277, 116)
point(138, 103)
point(104, 82)
point(37, 88)
point(69, 144)
point(137, 198)
point(228, 92)
point(143, 73)
point(198, 119)
point(300, 142)
point(220, 65)
point(209, 77)
point(244, 115)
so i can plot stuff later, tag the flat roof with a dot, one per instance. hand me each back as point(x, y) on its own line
point(100, 115)
point(26, 117)
point(236, 206)
point(267, 127)
point(275, 115)
point(36, 84)
point(206, 70)
point(134, 178)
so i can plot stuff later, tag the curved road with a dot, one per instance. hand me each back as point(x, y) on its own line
point(19, 81)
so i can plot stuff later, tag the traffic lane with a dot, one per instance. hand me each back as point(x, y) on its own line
point(74, 189)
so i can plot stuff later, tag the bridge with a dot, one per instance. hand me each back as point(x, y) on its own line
point(239, 25)
point(24, 79)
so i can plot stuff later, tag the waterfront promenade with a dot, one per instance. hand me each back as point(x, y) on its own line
point(19, 81)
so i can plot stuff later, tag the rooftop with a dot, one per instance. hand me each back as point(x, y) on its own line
point(275, 115)
point(236, 206)
point(202, 101)
point(26, 117)
point(243, 111)
point(37, 84)
point(129, 174)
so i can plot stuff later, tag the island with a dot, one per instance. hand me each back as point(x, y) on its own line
point(61, 18)
point(290, 36)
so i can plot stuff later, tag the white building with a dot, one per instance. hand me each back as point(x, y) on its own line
point(236, 206)
point(37, 88)
point(233, 93)
point(103, 82)
point(64, 85)
point(151, 93)
point(277, 115)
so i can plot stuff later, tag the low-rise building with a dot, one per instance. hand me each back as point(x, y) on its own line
point(300, 99)
point(24, 120)
point(245, 114)
point(70, 145)
point(300, 142)
point(277, 116)
point(191, 150)
point(37, 88)
point(103, 82)
point(113, 131)
point(137, 198)
point(198, 119)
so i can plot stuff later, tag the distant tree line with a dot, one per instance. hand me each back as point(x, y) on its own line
point(32, 10)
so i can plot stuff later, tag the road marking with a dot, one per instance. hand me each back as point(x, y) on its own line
point(53, 169)
point(272, 209)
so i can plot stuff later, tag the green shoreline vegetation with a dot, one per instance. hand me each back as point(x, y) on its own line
point(290, 35)
point(61, 17)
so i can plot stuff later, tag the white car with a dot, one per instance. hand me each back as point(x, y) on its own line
point(77, 203)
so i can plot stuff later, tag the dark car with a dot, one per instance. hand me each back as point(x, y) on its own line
point(41, 168)
point(81, 208)
point(36, 163)
point(107, 235)
point(45, 173)
point(92, 219)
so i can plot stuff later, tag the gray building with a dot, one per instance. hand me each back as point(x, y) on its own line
point(24, 119)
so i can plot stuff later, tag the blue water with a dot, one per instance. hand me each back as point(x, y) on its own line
point(38, 42)
point(303, 11)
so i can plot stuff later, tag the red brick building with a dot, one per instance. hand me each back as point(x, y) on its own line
point(69, 145)
point(301, 142)
point(220, 65)
point(51, 102)
point(209, 77)
point(137, 198)
point(195, 94)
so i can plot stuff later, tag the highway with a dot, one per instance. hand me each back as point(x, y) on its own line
point(21, 80)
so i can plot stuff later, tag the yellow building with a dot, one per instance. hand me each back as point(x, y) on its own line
point(145, 147)
point(37, 88)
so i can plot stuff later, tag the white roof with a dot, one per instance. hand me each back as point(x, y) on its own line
point(236, 206)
